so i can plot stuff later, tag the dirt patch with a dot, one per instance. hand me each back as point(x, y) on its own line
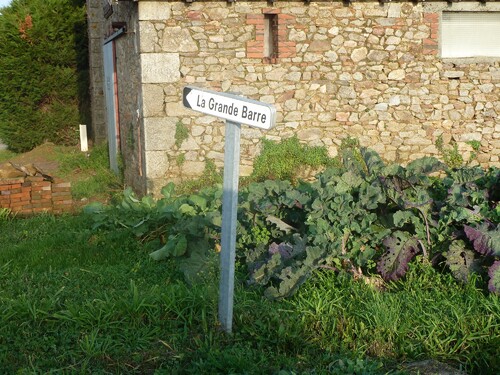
point(44, 157)
point(432, 367)
point(47, 159)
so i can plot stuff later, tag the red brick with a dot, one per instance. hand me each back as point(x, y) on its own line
point(60, 198)
point(41, 183)
point(26, 212)
point(17, 204)
point(431, 17)
point(61, 193)
point(288, 54)
point(430, 51)
point(254, 55)
point(9, 181)
point(63, 202)
point(21, 196)
point(255, 21)
point(62, 185)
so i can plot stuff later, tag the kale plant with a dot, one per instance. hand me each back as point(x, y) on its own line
point(361, 216)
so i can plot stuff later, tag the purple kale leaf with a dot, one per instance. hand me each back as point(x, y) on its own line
point(283, 248)
point(485, 241)
point(401, 248)
point(494, 274)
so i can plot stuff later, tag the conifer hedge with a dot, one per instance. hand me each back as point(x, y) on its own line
point(42, 54)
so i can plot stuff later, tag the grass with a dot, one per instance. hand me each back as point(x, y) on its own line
point(94, 177)
point(74, 300)
point(6, 155)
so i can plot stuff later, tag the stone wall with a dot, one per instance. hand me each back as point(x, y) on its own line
point(367, 70)
point(31, 195)
point(129, 83)
point(128, 74)
point(97, 129)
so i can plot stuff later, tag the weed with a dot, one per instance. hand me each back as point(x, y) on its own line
point(5, 214)
point(211, 176)
point(452, 157)
point(180, 159)
point(181, 133)
point(283, 161)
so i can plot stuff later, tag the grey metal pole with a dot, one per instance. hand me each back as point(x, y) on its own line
point(229, 212)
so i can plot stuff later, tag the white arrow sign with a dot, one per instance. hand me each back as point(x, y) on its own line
point(230, 107)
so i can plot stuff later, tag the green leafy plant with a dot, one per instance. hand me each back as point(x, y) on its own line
point(361, 216)
point(283, 160)
point(452, 157)
point(181, 133)
point(184, 227)
point(366, 213)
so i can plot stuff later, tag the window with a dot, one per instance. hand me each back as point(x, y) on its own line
point(270, 35)
point(470, 34)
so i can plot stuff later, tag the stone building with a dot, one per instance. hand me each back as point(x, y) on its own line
point(395, 75)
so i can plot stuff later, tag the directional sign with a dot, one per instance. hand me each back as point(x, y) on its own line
point(236, 110)
point(230, 107)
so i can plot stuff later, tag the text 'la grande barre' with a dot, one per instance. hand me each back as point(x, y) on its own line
point(231, 109)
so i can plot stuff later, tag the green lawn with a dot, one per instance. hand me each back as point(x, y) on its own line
point(73, 300)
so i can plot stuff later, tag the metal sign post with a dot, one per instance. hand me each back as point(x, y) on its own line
point(236, 110)
point(229, 220)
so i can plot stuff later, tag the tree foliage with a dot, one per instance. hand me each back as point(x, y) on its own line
point(43, 59)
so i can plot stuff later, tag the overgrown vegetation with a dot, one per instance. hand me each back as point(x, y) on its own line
point(79, 294)
point(181, 134)
point(43, 68)
point(97, 181)
point(362, 216)
point(452, 156)
point(76, 300)
point(282, 161)
point(211, 176)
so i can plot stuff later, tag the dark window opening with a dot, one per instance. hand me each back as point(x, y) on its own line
point(271, 36)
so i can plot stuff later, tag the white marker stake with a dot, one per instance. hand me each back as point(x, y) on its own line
point(229, 220)
point(84, 146)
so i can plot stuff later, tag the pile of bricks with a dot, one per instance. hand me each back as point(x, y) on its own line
point(29, 195)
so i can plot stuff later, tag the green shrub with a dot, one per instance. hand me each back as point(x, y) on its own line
point(283, 160)
point(39, 88)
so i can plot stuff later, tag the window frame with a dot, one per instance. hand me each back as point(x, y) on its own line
point(442, 40)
